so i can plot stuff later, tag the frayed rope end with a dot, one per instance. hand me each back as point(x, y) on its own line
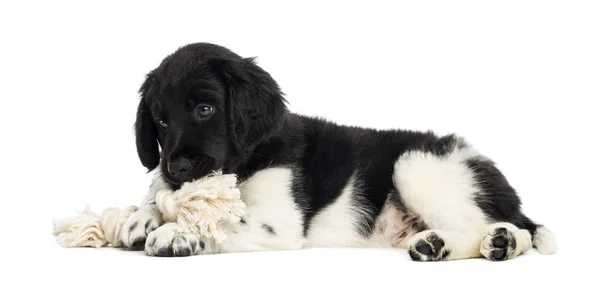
point(89, 229)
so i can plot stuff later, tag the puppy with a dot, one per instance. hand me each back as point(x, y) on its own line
point(308, 182)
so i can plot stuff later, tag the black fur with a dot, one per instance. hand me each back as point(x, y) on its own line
point(497, 198)
point(269, 229)
point(251, 129)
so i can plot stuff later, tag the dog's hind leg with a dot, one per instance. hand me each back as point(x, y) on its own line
point(441, 190)
point(465, 202)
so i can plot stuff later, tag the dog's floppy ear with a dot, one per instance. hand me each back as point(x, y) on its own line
point(255, 103)
point(146, 134)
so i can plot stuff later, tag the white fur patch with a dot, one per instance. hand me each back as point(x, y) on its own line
point(440, 190)
point(272, 220)
point(157, 183)
point(337, 224)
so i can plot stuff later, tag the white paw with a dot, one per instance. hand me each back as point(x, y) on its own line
point(504, 241)
point(139, 225)
point(427, 246)
point(167, 242)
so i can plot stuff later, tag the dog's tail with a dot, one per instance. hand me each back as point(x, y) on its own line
point(543, 239)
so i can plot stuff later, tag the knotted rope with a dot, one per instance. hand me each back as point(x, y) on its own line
point(201, 207)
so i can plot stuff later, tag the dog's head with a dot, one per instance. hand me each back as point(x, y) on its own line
point(204, 108)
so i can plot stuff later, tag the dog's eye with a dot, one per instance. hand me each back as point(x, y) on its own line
point(204, 111)
point(162, 123)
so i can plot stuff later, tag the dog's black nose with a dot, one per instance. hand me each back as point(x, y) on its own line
point(179, 168)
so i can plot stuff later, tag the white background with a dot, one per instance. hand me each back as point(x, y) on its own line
point(519, 79)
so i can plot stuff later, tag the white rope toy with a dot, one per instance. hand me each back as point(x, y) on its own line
point(92, 230)
point(202, 207)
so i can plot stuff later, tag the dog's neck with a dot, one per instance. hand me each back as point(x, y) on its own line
point(273, 151)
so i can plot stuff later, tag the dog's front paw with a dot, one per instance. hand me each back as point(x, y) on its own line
point(139, 225)
point(167, 242)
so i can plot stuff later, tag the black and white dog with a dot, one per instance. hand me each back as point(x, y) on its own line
point(308, 182)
